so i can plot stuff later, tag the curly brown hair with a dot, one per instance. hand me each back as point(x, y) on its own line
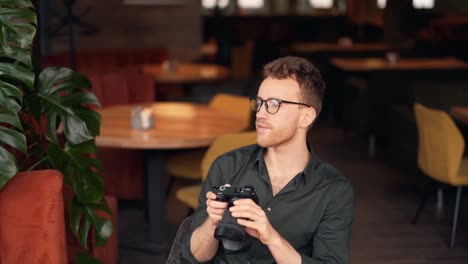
point(304, 73)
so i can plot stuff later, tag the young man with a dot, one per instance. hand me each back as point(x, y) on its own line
point(306, 210)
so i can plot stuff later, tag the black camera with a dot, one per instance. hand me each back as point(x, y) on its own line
point(228, 231)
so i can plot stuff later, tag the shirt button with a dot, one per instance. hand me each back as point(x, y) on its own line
point(269, 209)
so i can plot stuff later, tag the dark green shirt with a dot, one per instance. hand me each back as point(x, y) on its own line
point(313, 212)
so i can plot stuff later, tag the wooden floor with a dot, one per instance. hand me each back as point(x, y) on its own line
point(386, 200)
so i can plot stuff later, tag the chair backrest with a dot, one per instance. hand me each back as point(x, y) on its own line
point(441, 144)
point(175, 253)
point(223, 144)
point(235, 104)
point(32, 219)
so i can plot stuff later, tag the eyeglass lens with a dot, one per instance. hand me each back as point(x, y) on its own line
point(272, 105)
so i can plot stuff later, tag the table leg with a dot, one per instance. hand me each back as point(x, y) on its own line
point(155, 196)
point(152, 236)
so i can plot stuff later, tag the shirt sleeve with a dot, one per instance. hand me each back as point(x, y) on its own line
point(331, 243)
point(214, 178)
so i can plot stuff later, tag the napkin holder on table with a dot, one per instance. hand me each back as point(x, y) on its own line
point(142, 118)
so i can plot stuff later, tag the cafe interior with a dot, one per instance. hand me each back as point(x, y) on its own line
point(174, 79)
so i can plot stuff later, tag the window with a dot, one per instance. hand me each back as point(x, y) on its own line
point(210, 4)
point(251, 4)
point(423, 4)
point(418, 4)
point(381, 3)
point(321, 3)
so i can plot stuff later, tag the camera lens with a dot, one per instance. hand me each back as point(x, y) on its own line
point(230, 233)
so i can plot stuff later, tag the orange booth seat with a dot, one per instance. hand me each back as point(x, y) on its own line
point(32, 219)
point(103, 60)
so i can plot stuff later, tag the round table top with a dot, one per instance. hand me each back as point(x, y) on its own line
point(177, 126)
point(187, 73)
point(405, 64)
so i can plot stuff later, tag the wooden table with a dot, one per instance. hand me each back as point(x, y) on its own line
point(413, 64)
point(177, 126)
point(187, 73)
point(315, 47)
point(460, 113)
point(388, 83)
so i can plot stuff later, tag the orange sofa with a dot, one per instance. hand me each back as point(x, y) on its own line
point(32, 219)
point(105, 60)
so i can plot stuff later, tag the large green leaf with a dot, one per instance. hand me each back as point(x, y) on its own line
point(86, 258)
point(11, 91)
point(65, 94)
point(75, 129)
point(102, 230)
point(18, 25)
point(79, 99)
point(10, 108)
point(13, 138)
point(55, 79)
point(83, 216)
point(17, 54)
point(8, 100)
point(89, 187)
point(84, 232)
point(51, 129)
point(74, 162)
point(8, 166)
point(10, 117)
point(102, 226)
point(76, 214)
point(92, 119)
point(18, 3)
point(17, 73)
point(17, 30)
point(101, 206)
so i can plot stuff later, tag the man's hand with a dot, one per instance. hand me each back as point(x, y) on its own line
point(203, 244)
point(215, 209)
point(253, 217)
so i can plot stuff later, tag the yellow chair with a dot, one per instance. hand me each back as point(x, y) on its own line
point(222, 144)
point(440, 154)
point(187, 165)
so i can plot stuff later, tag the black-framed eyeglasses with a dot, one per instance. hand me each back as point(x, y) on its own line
point(272, 105)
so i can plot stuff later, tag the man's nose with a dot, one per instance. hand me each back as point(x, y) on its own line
point(262, 113)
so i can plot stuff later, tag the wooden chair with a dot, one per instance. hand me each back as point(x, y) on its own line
point(440, 155)
point(222, 144)
point(187, 165)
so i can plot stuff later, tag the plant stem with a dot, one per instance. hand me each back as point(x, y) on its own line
point(37, 163)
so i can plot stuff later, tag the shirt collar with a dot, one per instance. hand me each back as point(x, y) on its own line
point(306, 173)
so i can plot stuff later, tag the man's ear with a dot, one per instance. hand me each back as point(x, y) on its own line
point(308, 117)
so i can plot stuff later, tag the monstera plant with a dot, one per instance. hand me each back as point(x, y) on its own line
point(47, 121)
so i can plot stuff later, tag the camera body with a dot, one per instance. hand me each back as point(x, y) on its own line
point(232, 235)
point(230, 194)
